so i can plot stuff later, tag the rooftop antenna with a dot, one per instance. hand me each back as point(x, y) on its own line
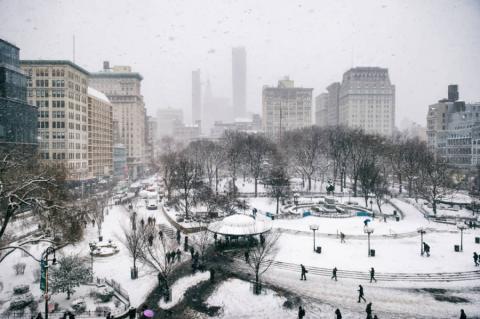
point(74, 48)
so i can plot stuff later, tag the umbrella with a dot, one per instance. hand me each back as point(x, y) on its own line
point(367, 221)
point(148, 313)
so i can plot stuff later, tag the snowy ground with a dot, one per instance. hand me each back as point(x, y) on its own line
point(181, 286)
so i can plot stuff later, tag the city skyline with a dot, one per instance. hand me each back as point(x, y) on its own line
point(326, 48)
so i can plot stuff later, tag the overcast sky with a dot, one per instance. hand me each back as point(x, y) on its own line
point(425, 44)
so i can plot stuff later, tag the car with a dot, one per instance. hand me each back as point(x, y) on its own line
point(152, 206)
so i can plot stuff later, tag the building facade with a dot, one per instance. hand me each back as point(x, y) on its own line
point(333, 104)
point(321, 115)
point(196, 96)
point(18, 119)
point(123, 89)
point(120, 168)
point(100, 134)
point(167, 119)
point(453, 130)
point(59, 90)
point(239, 81)
point(367, 100)
point(187, 133)
point(285, 107)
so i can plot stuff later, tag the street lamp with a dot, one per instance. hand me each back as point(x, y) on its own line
point(44, 271)
point(368, 230)
point(421, 231)
point(462, 227)
point(314, 227)
point(92, 249)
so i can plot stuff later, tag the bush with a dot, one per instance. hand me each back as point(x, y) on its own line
point(19, 268)
point(21, 289)
point(105, 294)
point(79, 305)
point(21, 301)
point(102, 310)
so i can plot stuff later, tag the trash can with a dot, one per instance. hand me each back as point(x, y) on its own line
point(397, 219)
point(372, 252)
point(318, 250)
point(477, 240)
point(457, 248)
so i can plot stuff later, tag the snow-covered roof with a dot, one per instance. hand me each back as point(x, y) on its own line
point(97, 94)
point(240, 225)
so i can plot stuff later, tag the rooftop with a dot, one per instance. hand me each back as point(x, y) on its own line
point(99, 75)
point(54, 62)
point(97, 94)
point(9, 43)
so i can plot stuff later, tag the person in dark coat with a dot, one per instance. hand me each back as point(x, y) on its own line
point(247, 256)
point(71, 315)
point(192, 251)
point(338, 314)
point(132, 313)
point(342, 238)
point(426, 249)
point(301, 312)
point(372, 274)
point(360, 293)
point(212, 274)
point(334, 273)
point(462, 314)
point(304, 271)
point(179, 254)
point(179, 236)
point(475, 258)
point(39, 316)
point(375, 317)
point(368, 310)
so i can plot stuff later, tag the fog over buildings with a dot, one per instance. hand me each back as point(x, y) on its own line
point(314, 42)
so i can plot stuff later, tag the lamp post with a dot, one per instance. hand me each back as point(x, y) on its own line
point(462, 227)
point(368, 230)
point(421, 231)
point(44, 272)
point(314, 227)
point(92, 249)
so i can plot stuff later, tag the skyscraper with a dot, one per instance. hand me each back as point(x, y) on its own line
point(123, 89)
point(367, 100)
point(239, 83)
point(18, 120)
point(196, 96)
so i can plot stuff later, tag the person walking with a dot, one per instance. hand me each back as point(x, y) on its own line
point(247, 256)
point(342, 237)
point(334, 274)
point(475, 258)
point(426, 249)
point(338, 314)
point(368, 310)
point(375, 317)
point(212, 274)
point(301, 312)
point(304, 271)
point(372, 275)
point(462, 314)
point(360, 294)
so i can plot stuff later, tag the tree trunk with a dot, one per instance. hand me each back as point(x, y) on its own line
point(68, 294)
point(309, 183)
point(278, 199)
point(434, 207)
point(341, 182)
point(409, 187)
point(216, 180)
point(400, 186)
point(355, 186)
point(256, 182)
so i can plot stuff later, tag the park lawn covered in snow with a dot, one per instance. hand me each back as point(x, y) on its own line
point(238, 301)
point(181, 286)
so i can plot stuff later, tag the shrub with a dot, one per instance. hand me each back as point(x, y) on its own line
point(105, 294)
point(21, 301)
point(21, 289)
point(19, 268)
point(79, 305)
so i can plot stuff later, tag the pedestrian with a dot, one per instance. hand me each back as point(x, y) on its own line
point(304, 271)
point(247, 256)
point(132, 313)
point(372, 274)
point(65, 315)
point(71, 315)
point(475, 258)
point(342, 238)
point(108, 316)
point(150, 240)
point(212, 274)
point(375, 317)
point(334, 273)
point(142, 223)
point(462, 314)
point(178, 236)
point(385, 218)
point(360, 293)
point(338, 314)
point(39, 316)
point(426, 249)
point(301, 312)
point(192, 251)
point(179, 254)
point(368, 310)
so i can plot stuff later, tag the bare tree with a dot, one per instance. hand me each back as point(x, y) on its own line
point(134, 240)
point(277, 183)
point(155, 256)
point(232, 144)
point(261, 256)
point(257, 150)
point(187, 178)
point(434, 181)
point(96, 210)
